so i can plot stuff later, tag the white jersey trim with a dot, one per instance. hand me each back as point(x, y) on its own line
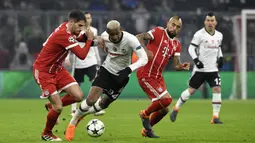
point(71, 46)
point(156, 55)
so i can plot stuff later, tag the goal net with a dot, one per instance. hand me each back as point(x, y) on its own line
point(244, 38)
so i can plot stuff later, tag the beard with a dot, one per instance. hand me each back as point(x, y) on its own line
point(171, 34)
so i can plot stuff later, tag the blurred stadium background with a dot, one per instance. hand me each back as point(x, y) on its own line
point(26, 24)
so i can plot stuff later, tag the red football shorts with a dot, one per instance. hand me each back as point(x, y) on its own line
point(53, 83)
point(154, 88)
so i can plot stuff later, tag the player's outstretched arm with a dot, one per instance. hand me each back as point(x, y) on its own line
point(180, 66)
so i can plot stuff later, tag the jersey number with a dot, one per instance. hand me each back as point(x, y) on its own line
point(217, 81)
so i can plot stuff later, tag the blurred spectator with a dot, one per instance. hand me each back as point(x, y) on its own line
point(22, 59)
point(141, 16)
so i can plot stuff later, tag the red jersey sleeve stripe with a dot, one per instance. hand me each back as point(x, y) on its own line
point(71, 46)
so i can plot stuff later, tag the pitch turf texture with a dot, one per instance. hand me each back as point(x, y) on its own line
point(22, 121)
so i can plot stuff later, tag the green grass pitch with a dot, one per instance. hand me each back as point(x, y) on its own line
point(21, 121)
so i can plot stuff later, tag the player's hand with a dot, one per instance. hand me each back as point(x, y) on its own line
point(186, 66)
point(220, 62)
point(198, 63)
point(123, 74)
point(89, 34)
point(101, 42)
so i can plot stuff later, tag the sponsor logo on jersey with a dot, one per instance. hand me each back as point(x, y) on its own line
point(160, 89)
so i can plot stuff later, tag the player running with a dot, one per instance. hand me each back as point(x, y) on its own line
point(88, 66)
point(207, 41)
point(113, 75)
point(52, 77)
point(163, 45)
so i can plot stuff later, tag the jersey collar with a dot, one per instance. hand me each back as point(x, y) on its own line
point(209, 32)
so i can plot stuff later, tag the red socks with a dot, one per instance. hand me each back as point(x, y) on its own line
point(67, 100)
point(51, 120)
point(156, 117)
point(157, 105)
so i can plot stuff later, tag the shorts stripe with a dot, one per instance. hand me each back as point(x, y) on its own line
point(68, 85)
point(151, 89)
point(162, 94)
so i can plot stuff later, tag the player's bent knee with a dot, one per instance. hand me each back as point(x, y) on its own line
point(79, 97)
point(58, 108)
point(216, 89)
point(165, 102)
point(191, 90)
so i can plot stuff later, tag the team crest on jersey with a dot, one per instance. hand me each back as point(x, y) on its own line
point(123, 50)
point(114, 49)
point(46, 92)
point(160, 89)
point(71, 39)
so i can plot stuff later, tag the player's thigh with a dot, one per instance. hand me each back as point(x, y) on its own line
point(196, 80)
point(91, 72)
point(79, 75)
point(154, 88)
point(65, 80)
point(213, 79)
point(75, 91)
point(47, 82)
point(56, 102)
point(107, 82)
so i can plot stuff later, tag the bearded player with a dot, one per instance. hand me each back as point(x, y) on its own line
point(163, 45)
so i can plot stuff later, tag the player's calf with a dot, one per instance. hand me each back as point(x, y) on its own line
point(48, 106)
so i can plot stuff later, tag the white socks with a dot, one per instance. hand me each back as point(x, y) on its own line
point(88, 110)
point(74, 107)
point(79, 113)
point(216, 103)
point(184, 97)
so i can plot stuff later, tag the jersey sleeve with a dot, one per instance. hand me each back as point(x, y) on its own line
point(178, 50)
point(139, 51)
point(153, 32)
point(67, 41)
point(196, 40)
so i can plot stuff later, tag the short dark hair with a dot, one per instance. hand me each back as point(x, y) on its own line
point(76, 15)
point(86, 12)
point(210, 14)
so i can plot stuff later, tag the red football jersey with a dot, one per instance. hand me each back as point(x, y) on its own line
point(55, 50)
point(163, 48)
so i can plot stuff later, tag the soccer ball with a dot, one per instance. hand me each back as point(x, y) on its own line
point(95, 128)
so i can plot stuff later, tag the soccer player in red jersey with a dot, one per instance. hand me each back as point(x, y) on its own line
point(162, 46)
point(52, 77)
